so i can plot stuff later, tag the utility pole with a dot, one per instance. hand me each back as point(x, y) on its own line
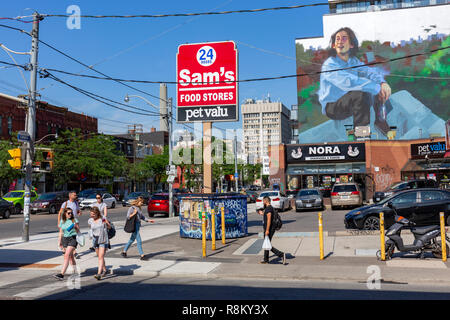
point(169, 126)
point(31, 120)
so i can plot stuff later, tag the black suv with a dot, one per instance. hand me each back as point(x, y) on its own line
point(403, 185)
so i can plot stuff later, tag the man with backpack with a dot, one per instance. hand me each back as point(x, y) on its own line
point(272, 222)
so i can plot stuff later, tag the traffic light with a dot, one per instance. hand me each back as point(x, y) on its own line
point(47, 161)
point(16, 155)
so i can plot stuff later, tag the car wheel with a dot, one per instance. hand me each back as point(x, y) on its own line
point(371, 223)
point(17, 209)
point(448, 220)
point(52, 210)
point(113, 205)
point(6, 214)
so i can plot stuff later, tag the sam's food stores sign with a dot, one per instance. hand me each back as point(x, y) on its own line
point(207, 88)
point(430, 149)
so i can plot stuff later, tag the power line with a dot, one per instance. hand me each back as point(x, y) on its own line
point(187, 14)
point(259, 79)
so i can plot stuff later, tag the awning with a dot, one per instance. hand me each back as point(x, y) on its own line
point(426, 165)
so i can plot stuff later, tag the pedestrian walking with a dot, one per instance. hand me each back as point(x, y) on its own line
point(268, 213)
point(134, 210)
point(99, 225)
point(72, 203)
point(103, 208)
point(68, 229)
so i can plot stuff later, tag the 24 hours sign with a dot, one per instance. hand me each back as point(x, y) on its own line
point(207, 88)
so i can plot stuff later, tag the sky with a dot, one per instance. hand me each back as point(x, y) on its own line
point(145, 49)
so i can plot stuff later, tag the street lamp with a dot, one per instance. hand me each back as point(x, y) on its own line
point(52, 134)
point(169, 126)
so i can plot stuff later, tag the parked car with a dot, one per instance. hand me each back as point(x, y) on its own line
point(309, 199)
point(346, 194)
point(278, 200)
point(159, 204)
point(49, 202)
point(6, 208)
point(292, 193)
point(133, 196)
point(254, 188)
point(17, 198)
point(401, 186)
point(108, 199)
point(82, 195)
point(421, 206)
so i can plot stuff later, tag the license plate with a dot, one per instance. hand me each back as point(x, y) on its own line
point(345, 197)
point(378, 199)
point(157, 204)
point(308, 205)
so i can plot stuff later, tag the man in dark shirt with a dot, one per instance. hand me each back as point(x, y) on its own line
point(269, 230)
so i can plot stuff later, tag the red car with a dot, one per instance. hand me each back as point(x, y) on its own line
point(159, 204)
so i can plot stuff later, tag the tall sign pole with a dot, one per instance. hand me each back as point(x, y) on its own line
point(236, 173)
point(31, 120)
point(170, 128)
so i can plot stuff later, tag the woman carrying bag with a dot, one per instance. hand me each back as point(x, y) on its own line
point(68, 230)
point(134, 217)
point(99, 228)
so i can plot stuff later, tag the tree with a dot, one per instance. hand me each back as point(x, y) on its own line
point(95, 156)
point(7, 174)
point(154, 166)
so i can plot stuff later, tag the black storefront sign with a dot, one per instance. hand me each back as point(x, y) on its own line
point(430, 149)
point(348, 152)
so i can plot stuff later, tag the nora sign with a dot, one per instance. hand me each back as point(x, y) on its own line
point(345, 152)
point(207, 88)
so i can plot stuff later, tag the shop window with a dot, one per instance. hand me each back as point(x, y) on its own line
point(9, 126)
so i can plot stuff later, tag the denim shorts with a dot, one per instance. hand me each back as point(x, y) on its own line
point(100, 245)
point(69, 242)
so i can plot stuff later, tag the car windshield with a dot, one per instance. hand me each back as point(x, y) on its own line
point(308, 193)
point(92, 196)
point(345, 188)
point(85, 193)
point(47, 196)
point(14, 194)
point(397, 186)
point(269, 194)
point(135, 194)
point(160, 197)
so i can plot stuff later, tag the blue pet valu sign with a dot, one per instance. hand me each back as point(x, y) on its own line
point(430, 149)
point(235, 210)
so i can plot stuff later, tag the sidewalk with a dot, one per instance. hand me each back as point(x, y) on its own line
point(348, 257)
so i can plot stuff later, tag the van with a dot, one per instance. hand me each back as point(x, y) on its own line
point(346, 194)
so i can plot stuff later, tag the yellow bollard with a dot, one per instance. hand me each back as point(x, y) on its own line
point(203, 234)
point(382, 241)
point(443, 240)
point(213, 229)
point(321, 235)
point(223, 224)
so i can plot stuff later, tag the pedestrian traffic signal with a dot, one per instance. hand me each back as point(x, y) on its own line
point(16, 162)
point(47, 162)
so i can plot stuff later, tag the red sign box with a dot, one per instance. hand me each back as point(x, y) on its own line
point(207, 88)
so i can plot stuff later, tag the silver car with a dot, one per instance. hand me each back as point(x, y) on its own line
point(309, 199)
point(346, 194)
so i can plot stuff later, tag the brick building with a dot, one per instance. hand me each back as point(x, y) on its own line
point(49, 119)
point(374, 164)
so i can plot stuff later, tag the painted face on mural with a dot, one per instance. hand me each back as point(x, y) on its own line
point(342, 45)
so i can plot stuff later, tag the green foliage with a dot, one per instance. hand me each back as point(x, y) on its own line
point(8, 174)
point(95, 156)
point(151, 166)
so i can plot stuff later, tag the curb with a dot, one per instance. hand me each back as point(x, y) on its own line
point(348, 233)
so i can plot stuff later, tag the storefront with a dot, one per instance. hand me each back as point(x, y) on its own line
point(428, 161)
point(323, 165)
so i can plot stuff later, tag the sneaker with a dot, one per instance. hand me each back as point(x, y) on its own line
point(284, 258)
point(98, 276)
point(77, 256)
point(124, 254)
point(264, 262)
point(106, 272)
point(143, 258)
point(59, 276)
point(92, 248)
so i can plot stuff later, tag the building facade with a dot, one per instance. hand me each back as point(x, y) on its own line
point(49, 119)
point(264, 123)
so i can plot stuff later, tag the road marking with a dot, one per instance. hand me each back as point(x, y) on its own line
point(41, 291)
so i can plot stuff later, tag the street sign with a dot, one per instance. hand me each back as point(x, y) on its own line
point(23, 136)
point(207, 88)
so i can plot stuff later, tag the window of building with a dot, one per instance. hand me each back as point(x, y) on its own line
point(10, 126)
point(1, 125)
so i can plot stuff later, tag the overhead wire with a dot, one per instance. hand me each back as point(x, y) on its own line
point(188, 14)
